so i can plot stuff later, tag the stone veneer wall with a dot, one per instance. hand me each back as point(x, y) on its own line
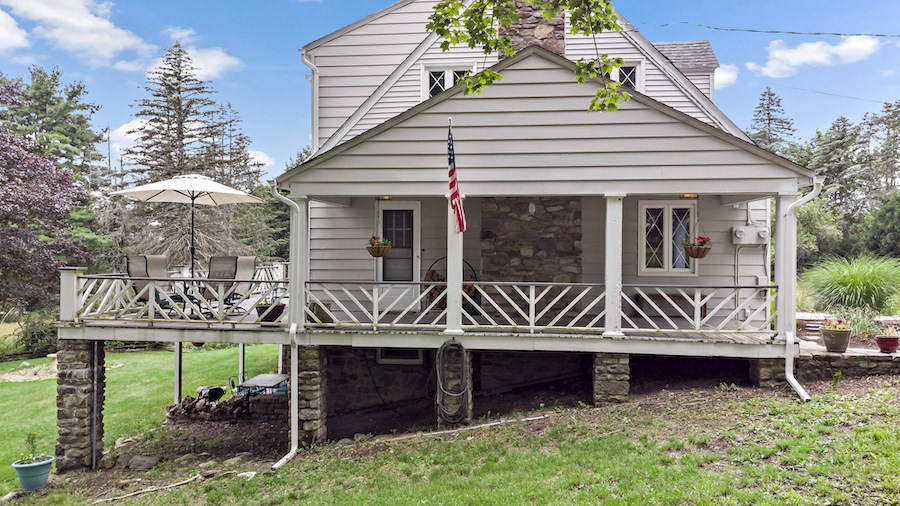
point(531, 239)
point(356, 381)
point(499, 371)
point(533, 29)
point(612, 374)
point(75, 392)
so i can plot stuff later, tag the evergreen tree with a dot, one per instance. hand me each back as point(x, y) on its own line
point(184, 131)
point(882, 132)
point(840, 155)
point(771, 129)
point(56, 118)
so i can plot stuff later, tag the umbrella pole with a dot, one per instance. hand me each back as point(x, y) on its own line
point(192, 238)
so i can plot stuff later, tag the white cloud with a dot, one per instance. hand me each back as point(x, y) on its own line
point(120, 139)
point(786, 61)
point(263, 158)
point(726, 75)
point(888, 72)
point(81, 27)
point(183, 35)
point(11, 36)
point(212, 62)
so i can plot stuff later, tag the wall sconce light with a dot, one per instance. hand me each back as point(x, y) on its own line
point(688, 195)
point(385, 197)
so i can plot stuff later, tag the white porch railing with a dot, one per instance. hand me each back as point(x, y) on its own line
point(533, 306)
point(228, 301)
point(372, 305)
point(732, 309)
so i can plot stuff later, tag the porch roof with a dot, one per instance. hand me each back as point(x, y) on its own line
point(530, 134)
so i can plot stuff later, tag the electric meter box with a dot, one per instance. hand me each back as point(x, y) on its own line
point(749, 234)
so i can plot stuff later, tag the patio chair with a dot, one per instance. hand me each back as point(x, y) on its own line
point(224, 267)
point(151, 266)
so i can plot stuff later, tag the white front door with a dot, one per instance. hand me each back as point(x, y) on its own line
point(400, 223)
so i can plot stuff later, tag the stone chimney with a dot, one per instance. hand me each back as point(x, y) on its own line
point(533, 29)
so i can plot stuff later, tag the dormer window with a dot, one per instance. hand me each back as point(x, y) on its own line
point(440, 80)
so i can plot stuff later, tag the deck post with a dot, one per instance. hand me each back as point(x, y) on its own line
point(613, 266)
point(242, 356)
point(454, 275)
point(69, 304)
point(178, 374)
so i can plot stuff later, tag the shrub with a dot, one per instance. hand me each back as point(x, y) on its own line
point(37, 332)
point(855, 282)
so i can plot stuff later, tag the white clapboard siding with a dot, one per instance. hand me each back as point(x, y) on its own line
point(702, 81)
point(521, 138)
point(656, 83)
point(338, 236)
point(353, 63)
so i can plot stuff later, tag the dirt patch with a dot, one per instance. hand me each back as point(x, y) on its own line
point(28, 372)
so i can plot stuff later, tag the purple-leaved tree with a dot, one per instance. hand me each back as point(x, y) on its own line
point(36, 195)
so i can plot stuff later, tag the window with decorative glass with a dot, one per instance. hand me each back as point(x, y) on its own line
point(628, 76)
point(666, 226)
point(440, 80)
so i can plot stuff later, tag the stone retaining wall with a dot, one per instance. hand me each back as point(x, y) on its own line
point(75, 399)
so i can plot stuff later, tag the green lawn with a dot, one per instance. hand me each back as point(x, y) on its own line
point(139, 387)
point(724, 445)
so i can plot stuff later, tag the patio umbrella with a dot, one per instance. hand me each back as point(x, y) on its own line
point(189, 188)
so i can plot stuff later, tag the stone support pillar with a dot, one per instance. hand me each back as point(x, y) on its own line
point(767, 372)
point(612, 373)
point(311, 403)
point(80, 392)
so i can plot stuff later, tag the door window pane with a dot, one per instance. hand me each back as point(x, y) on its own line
point(654, 242)
point(398, 228)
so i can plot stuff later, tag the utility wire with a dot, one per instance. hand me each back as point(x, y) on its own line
point(830, 94)
point(785, 32)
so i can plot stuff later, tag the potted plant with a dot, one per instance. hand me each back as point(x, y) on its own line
point(268, 310)
point(699, 247)
point(888, 340)
point(378, 246)
point(33, 469)
point(836, 334)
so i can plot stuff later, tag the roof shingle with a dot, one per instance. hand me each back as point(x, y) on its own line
point(689, 55)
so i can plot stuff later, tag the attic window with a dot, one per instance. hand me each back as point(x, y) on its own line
point(628, 76)
point(440, 80)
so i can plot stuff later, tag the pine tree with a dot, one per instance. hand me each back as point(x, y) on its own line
point(839, 154)
point(56, 118)
point(184, 131)
point(771, 129)
point(882, 133)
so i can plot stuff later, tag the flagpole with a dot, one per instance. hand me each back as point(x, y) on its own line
point(454, 244)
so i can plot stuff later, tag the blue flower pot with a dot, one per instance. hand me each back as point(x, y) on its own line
point(33, 476)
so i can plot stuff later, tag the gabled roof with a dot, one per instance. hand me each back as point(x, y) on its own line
point(689, 55)
point(564, 64)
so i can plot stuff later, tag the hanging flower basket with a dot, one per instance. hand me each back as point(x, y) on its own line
point(697, 251)
point(378, 251)
point(378, 247)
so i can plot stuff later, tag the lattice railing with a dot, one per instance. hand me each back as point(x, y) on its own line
point(236, 302)
point(373, 305)
point(699, 308)
point(533, 306)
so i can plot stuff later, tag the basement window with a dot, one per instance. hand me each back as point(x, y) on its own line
point(403, 356)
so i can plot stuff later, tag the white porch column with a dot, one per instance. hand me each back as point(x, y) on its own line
point(785, 263)
point(613, 266)
point(454, 274)
point(299, 261)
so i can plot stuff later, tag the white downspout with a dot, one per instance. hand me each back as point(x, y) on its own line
point(295, 313)
point(315, 99)
point(792, 253)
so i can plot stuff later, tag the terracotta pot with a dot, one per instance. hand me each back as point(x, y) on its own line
point(697, 251)
point(378, 251)
point(836, 340)
point(887, 344)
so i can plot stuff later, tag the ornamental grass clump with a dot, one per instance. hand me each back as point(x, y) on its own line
point(865, 281)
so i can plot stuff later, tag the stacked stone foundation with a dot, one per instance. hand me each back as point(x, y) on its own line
point(80, 393)
point(612, 374)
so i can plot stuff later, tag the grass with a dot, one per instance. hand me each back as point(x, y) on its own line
point(139, 386)
point(716, 446)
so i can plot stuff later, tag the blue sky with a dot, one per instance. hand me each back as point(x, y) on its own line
point(249, 51)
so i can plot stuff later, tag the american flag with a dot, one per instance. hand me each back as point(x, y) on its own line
point(455, 199)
